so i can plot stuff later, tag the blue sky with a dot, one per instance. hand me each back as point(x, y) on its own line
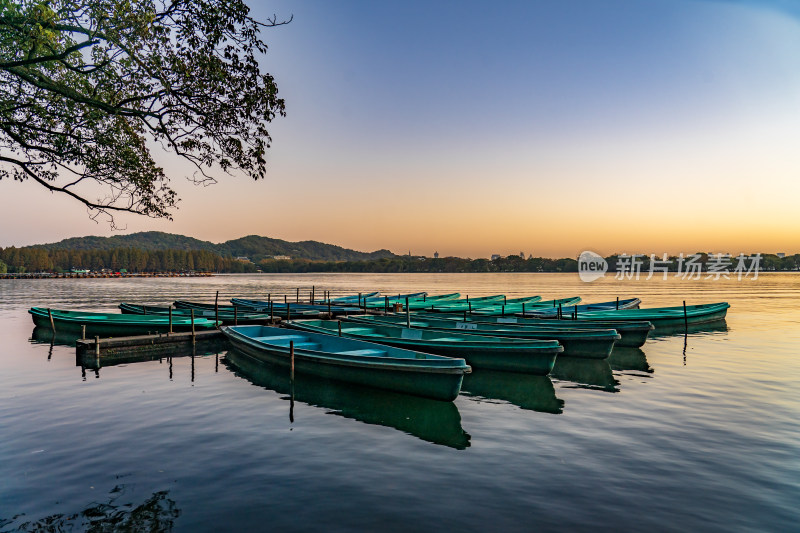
point(475, 128)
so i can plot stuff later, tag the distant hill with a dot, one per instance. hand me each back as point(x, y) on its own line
point(252, 246)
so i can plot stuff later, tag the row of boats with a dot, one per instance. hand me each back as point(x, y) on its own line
point(412, 343)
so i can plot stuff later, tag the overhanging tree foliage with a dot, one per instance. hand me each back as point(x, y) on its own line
point(87, 86)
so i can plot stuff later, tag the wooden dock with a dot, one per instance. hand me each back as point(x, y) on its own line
point(94, 353)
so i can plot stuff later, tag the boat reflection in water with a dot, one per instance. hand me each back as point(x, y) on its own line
point(526, 391)
point(156, 513)
point(623, 358)
point(46, 336)
point(430, 420)
point(585, 373)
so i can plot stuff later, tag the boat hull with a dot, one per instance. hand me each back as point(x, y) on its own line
point(439, 384)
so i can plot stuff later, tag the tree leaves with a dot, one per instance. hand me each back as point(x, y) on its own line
point(85, 84)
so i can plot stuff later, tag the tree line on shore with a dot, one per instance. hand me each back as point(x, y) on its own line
point(22, 260)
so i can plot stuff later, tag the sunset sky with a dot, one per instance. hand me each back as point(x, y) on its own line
point(473, 128)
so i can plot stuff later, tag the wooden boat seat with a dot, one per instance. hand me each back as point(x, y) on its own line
point(370, 352)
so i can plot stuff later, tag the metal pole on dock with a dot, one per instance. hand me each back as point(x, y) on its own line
point(408, 315)
point(235, 316)
point(330, 315)
point(339, 323)
point(52, 324)
point(617, 303)
point(170, 318)
point(269, 298)
point(386, 306)
point(359, 299)
point(285, 300)
point(297, 296)
point(559, 311)
point(523, 309)
point(505, 300)
point(193, 339)
point(503, 310)
point(313, 294)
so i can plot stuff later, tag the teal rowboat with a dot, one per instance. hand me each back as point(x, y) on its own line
point(419, 302)
point(664, 317)
point(227, 317)
point(523, 305)
point(112, 324)
point(569, 310)
point(496, 353)
point(354, 361)
point(472, 304)
point(594, 344)
point(281, 310)
point(296, 308)
point(632, 334)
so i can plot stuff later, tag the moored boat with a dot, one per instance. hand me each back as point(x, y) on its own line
point(522, 305)
point(664, 318)
point(568, 310)
point(281, 308)
point(497, 353)
point(112, 324)
point(238, 316)
point(632, 333)
point(351, 360)
point(594, 344)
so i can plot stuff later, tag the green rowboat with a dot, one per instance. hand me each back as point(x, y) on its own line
point(112, 324)
point(354, 361)
point(632, 334)
point(594, 344)
point(664, 317)
point(496, 353)
point(238, 316)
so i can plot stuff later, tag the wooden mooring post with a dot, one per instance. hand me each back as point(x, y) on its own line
point(685, 319)
point(52, 324)
point(193, 335)
point(408, 315)
point(291, 359)
point(216, 308)
point(170, 318)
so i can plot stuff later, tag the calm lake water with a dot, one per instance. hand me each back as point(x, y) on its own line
point(701, 433)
